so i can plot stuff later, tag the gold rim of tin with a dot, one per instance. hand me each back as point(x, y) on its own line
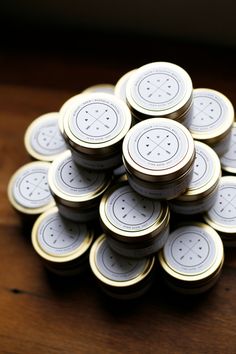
point(63, 110)
point(14, 203)
point(29, 131)
point(153, 175)
point(197, 193)
point(214, 136)
point(121, 84)
point(203, 275)
point(58, 258)
point(66, 197)
point(108, 88)
point(150, 260)
point(107, 146)
point(173, 111)
point(217, 225)
point(225, 167)
point(132, 236)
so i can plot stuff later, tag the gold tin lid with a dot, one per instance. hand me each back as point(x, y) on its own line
point(213, 115)
point(97, 123)
point(222, 216)
point(59, 240)
point(228, 160)
point(43, 140)
point(206, 174)
point(192, 253)
point(129, 217)
point(105, 88)
point(158, 149)
point(73, 185)
point(115, 270)
point(63, 110)
point(159, 89)
point(120, 87)
point(28, 190)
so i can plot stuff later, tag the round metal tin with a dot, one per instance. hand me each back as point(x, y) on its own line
point(28, 190)
point(120, 276)
point(158, 149)
point(159, 89)
point(120, 87)
point(43, 140)
point(59, 241)
point(75, 186)
point(66, 105)
point(222, 215)
point(203, 187)
point(228, 160)
point(192, 256)
point(104, 88)
point(96, 124)
point(213, 116)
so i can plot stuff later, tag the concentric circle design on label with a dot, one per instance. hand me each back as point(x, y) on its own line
point(58, 236)
point(203, 169)
point(190, 250)
point(129, 211)
point(31, 189)
point(46, 138)
point(158, 145)
point(75, 180)
point(223, 211)
point(229, 158)
point(97, 120)
point(209, 111)
point(115, 267)
point(157, 88)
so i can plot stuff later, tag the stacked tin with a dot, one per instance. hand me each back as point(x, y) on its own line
point(158, 155)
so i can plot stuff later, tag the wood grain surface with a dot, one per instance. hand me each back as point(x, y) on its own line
point(41, 313)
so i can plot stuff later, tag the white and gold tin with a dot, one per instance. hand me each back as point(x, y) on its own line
point(228, 160)
point(77, 191)
point(104, 88)
point(135, 226)
point(43, 139)
point(62, 245)
point(212, 120)
point(160, 89)
point(95, 125)
point(158, 155)
point(222, 215)
point(120, 87)
point(28, 190)
point(62, 111)
point(202, 190)
point(120, 277)
point(192, 258)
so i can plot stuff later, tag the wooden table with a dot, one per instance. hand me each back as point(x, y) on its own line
point(40, 313)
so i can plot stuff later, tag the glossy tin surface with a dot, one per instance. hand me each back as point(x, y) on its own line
point(120, 87)
point(43, 140)
point(158, 149)
point(228, 160)
point(159, 89)
point(28, 189)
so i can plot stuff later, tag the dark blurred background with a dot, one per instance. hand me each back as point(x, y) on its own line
point(116, 35)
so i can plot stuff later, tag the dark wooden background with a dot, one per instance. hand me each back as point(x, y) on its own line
point(40, 313)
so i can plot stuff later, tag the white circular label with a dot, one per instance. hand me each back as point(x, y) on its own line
point(75, 180)
point(46, 138)
point(129, 211)
point(224, 209)
point(97, 121)
point(158, 88)
point(209, 112)
point(31, 187)
point(158, 146)
point(229, 158)
point(116, 267)
point(190, 250)
point(203, 170)
point(59, 236)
